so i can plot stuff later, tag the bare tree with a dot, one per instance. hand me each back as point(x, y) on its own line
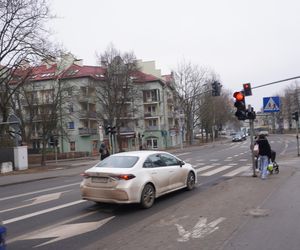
point(117, 93)
point(290, 103)
point(23, 39)
point(43, 105)
point(190, 82)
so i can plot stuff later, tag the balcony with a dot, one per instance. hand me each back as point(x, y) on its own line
point(151, 128)
point(88, 99)
point(84, 114)
point(87, 131)
point(34, 101)
point(151, 114)
point(150, 100)
point(128, 117)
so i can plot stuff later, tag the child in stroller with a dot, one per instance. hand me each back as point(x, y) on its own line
point(273, 166)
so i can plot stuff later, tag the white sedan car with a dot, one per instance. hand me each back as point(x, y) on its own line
point(136, 177)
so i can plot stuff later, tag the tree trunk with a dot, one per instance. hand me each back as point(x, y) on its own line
point(43, 159)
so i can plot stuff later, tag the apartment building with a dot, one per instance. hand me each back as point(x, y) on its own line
point(153, 124)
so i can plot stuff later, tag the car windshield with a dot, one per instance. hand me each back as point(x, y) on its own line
point(118, 162)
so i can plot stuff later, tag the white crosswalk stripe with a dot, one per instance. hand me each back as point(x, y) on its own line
point(202, 169)
point(215, 171)
point(236, 171)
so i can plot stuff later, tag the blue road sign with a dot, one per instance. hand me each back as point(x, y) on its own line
point(271, 104)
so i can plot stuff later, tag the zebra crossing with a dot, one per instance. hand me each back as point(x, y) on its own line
point(209, 170)
point(229, 167)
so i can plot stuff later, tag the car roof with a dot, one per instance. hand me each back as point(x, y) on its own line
point(140, 153)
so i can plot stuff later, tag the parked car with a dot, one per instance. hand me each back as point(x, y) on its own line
point(136, 177)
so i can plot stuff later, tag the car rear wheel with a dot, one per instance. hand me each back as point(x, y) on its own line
point(190, 181)
point(148, 196)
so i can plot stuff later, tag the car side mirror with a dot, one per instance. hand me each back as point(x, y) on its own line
point(181, 163)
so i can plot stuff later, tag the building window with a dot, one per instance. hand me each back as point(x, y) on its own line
point(151, 109)
point(152, 122)
point(71, 125)
point(72, 146)
point(152, 143)
point(71, 108)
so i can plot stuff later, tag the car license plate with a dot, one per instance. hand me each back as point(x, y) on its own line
point(100, 179)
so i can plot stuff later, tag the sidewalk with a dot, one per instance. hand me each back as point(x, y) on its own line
point(51, 170)
point(272, 225)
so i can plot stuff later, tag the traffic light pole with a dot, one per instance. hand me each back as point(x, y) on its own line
point(251, 123)
point(297, 136)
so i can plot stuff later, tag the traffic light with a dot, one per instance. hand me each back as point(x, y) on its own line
point(295, 116)
point(107, 129)
point(113, 130)
point(251, 115)
point(241, 112)
point(215, 88)
point(247, 89)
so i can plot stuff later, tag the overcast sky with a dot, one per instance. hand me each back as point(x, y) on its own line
point(256, 41)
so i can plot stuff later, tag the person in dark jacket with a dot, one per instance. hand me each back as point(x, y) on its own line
point(264, 154)
point(104, 152)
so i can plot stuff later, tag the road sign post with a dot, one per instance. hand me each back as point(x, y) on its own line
point(251, 123)
point(297, 136)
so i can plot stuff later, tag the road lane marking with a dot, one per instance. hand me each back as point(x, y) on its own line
point(187, 153)
point(204, 168)
point(37, 200)
point(23, 217)
point(67, 231)
point(236, 171)
point(38, 231)
point(285, 148)
point(39, 191)
point(215, 171)
point(243, 159)
point(200, 230)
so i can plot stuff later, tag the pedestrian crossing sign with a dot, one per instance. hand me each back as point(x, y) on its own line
point(271, 104)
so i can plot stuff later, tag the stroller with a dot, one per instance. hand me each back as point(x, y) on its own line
point(273, 166)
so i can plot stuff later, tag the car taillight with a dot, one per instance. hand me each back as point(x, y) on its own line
point(125, 177)
point(85, 175)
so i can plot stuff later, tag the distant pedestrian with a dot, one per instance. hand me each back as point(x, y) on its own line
point(143, 146)
point(264, 154)
point(104, 152)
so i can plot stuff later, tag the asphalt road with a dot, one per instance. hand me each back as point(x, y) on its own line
point(49, 213)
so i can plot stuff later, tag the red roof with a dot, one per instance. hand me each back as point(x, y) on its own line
point(141, 77)
point(44, 72)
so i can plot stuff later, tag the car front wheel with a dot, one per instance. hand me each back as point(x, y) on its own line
point(190, 182)
point(148, 196)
